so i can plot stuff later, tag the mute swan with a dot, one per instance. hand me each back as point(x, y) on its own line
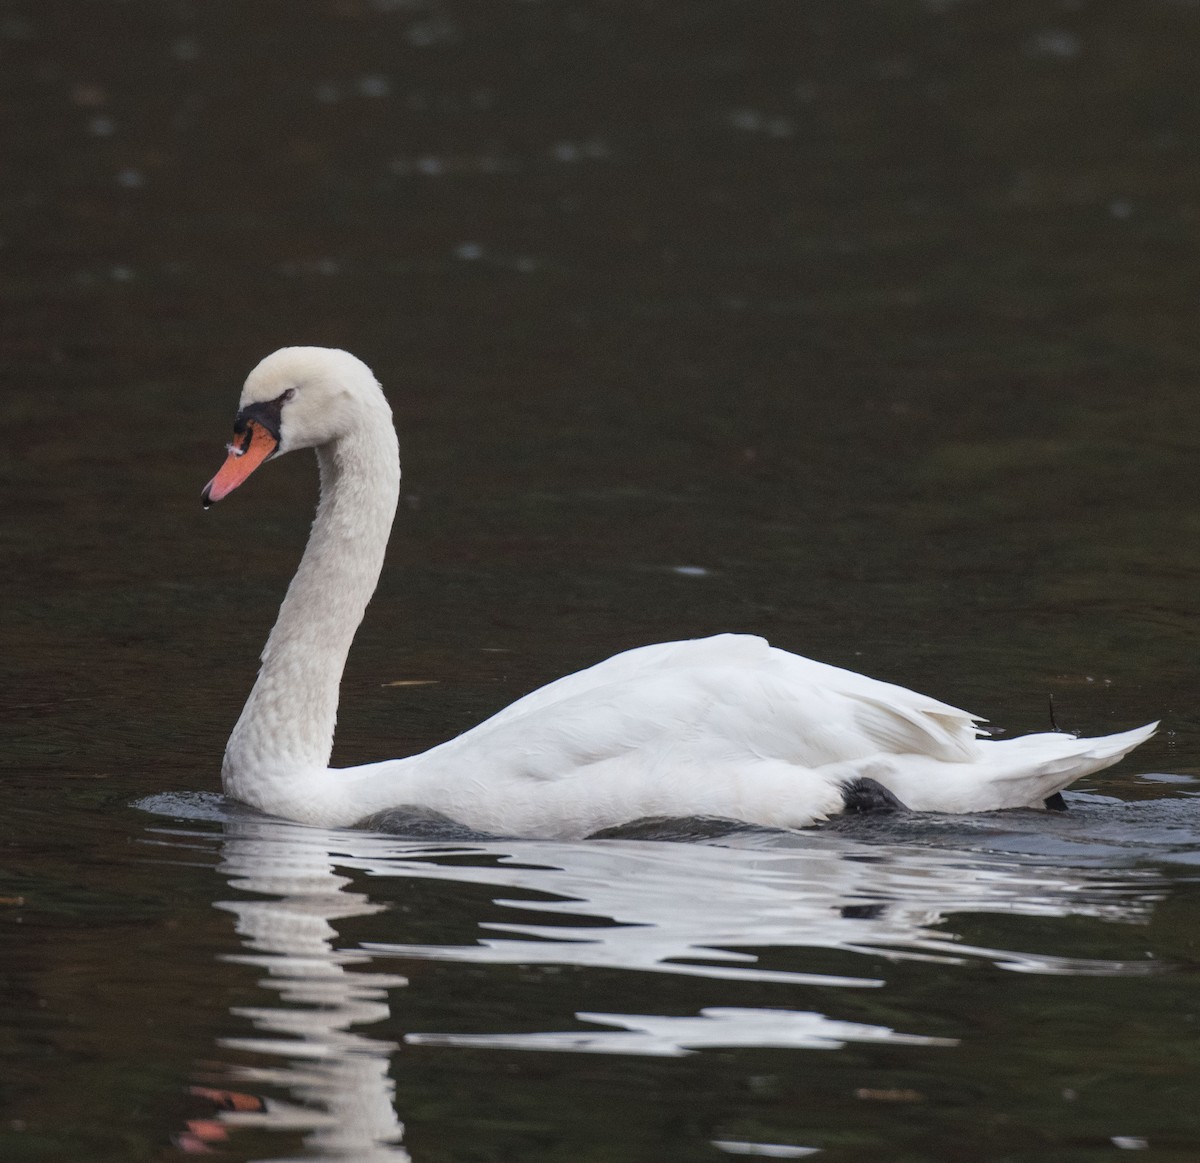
point(725, 726)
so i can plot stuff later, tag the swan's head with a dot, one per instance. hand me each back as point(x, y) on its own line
point(298, 397)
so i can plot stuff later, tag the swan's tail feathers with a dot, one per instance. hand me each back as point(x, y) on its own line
point(1038, 767)
point(1010, 773)
point(1110, 748)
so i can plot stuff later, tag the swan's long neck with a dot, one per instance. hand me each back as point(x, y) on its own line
point(287, 723)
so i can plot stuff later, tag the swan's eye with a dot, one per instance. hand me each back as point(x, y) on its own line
point(288, 394)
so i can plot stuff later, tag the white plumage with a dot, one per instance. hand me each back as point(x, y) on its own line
point(726, 726)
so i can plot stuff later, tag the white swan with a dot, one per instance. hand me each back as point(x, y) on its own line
point(725, 726)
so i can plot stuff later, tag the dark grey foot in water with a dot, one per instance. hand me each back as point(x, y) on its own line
point(1056, 803)
point(679, 829)
point(419, 824)
point(868, 795)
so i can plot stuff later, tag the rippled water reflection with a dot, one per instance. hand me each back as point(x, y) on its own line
point(334, 1029)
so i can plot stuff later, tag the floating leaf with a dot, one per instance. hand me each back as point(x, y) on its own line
point(898, 1094)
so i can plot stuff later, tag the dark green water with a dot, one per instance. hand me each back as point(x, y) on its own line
point(870, 327)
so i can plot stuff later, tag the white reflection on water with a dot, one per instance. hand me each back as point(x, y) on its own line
point(338, 1079)
point(696, 909)
point(717, 1026)
point(643, 906)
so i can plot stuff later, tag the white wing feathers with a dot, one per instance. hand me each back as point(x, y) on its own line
point(728, 699)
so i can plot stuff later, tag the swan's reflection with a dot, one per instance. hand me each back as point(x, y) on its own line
point(659, 908)
point(338, 1079)
point(697, 908)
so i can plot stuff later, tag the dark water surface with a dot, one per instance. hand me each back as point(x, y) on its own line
point(870, 327)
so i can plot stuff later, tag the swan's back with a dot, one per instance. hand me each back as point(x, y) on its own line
point(760, 682)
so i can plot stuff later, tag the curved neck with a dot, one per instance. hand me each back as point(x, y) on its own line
point(288, 720)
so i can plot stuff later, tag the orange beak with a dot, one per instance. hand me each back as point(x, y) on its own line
point(250, 448)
